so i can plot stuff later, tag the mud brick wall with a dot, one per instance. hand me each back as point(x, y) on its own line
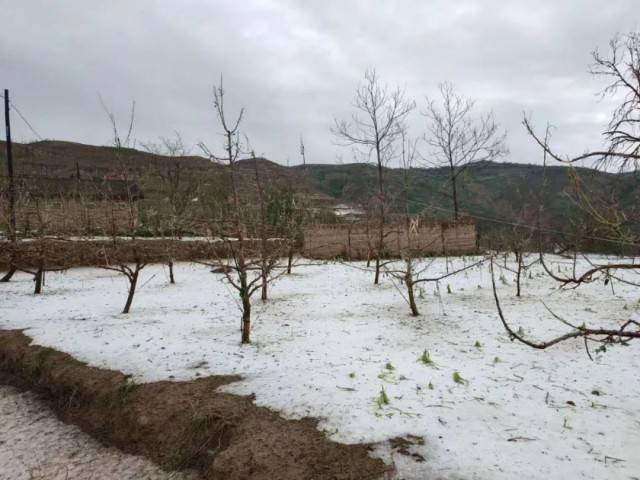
point(62, 253)
point(355, 241)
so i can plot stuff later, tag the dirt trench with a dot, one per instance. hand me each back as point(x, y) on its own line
point(182, 425)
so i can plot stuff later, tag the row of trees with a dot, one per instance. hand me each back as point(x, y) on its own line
point(251, 219)
point(456, 138)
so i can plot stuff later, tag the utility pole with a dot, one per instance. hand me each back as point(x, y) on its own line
point(12, 190)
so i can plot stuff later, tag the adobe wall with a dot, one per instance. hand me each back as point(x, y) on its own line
point(355, 241)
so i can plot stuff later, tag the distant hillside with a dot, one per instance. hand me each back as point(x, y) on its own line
point(504, 191)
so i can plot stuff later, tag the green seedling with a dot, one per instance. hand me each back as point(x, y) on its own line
point(430, 386)
point(382, 399)
point(352, 375)
point(503, 279)
point(457, 378)
point(478, 345)
point(425, 359)
point(449, 288)
point(496, 360)
point(389, 366)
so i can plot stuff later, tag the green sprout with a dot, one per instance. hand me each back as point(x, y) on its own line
point(457, 378)
point(389, 366)
point(352, 375)
point(478, 345)
point(425, 358)
point(430, 386)
point(382, 399)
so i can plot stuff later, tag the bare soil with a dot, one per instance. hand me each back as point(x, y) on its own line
point(35, 445)
point(182, 425)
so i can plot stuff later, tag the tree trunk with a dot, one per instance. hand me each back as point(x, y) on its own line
point(246, 319)
point(381, 199)
point(7, 276)
point(412, 300)
point(171, 278)
point(408, 280)
point(290, 261)
point(263, 290)
point(519, 259)
point(39, 278)
point(133, 280)
point(454, 193)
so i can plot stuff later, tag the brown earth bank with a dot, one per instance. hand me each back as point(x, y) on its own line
point(64, 254)
point(182, 425)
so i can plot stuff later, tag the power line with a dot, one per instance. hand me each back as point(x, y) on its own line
point(33, 130)
point(23, 118)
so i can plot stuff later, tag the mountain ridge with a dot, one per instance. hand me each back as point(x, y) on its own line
point(496, 190)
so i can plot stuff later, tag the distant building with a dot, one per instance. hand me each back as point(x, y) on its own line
point(348, 213)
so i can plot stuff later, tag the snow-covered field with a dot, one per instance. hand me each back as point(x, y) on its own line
point(328, 341)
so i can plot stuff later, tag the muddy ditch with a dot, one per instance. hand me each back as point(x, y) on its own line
point(181, 425)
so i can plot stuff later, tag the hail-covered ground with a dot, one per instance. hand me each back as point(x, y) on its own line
point(471, 403)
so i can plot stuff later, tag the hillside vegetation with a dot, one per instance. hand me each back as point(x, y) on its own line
point(495, 194)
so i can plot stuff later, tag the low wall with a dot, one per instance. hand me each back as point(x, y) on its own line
point(356, 241)
point(58, 253)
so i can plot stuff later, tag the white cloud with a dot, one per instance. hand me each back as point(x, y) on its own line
point(294, 65)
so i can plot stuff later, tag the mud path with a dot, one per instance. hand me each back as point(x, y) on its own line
point(181, 425)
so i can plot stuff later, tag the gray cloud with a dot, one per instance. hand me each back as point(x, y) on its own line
point(294, 65)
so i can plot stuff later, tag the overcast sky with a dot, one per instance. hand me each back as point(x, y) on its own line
point(294, 65)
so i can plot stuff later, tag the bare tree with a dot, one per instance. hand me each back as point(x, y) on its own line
point(8, 216)
point(242, 270)
point(268, 251)
point(629, 330)
point(622, 67)
point(622, 152)
point(132, 270)
point(179, 188)
point(303, 154)
point(376, 126)
point(411, 271)
point(38, 257)
point(410, 252)
point(458, 138)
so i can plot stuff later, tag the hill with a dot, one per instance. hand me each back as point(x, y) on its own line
point(490, 192)
point(506, 191)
